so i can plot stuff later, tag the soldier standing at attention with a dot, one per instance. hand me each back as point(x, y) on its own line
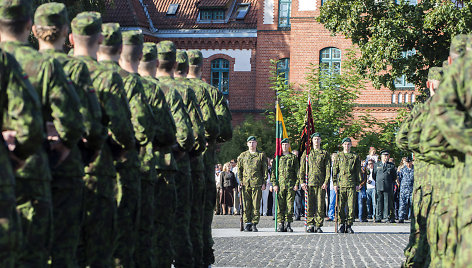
point(60, 111)
point(252, 169)
point(346, 179)
point(165, 140)
point(319, 171)
point(285, 187)
point(384, 174)
point(406, 180)
point(98, 232)
point(51, 29)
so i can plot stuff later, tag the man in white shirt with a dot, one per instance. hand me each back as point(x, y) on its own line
point(371, 202)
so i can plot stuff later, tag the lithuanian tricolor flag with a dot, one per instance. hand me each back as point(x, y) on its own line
point(280, 131)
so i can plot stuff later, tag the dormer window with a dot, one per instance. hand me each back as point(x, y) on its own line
point(212, 14)
point(242, 11)
point(172, 9)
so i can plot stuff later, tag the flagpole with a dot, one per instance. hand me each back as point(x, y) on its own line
point(307, 150)
point(276, 157)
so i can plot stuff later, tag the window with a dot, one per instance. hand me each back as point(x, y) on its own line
point(284, 13)
point(330, 60)
point(400, 97)
point(411, 2)
point(172, 9)
point(394, 98)
point(323, 1)
point(212, 14)
point(412, 98)
point(242, 11)
point(220, 75)
point(283, 68)
point(401, 82)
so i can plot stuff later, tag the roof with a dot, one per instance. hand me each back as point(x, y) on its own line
point(131, 13)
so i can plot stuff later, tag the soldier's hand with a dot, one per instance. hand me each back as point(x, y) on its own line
point(295, 188)
point(9, 138)
point(263, 187)
point(276, 189)
point(62, 150)
point(324, 186)
point(271, 188)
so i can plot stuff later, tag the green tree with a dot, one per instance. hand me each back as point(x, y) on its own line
point(384, 29)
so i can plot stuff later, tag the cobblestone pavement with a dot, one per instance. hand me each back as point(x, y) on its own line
point(373, 245)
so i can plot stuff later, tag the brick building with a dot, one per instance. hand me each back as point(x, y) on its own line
point(238, 38)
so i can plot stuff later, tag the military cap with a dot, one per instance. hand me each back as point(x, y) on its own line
point(384, 152)
point(134, 38)
point(316, 134)
point(51, 14)
point(285, 140)
point(15, 10)
point(251, 138)
point(435, 73)
point(195, 57)
point(181, 57)
point(408, 159)
point(458, 44)
point(166, 50)
point(112, 35)
point(87, 23)
point(346, 140)
point(149, 52)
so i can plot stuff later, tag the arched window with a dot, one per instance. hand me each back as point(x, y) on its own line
point(330, 60)
point(220, 75)
point(394, 98)
point(412, 98)
point(400, 98)
point(283, 68)
point(407, 99)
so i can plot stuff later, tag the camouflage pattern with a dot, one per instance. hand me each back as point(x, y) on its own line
point(406, 177)
point(319, 171)
point(149, 52)
point(435, 73)
point(60, 105)
point(51, 14)
point(458, 45)
point(22, 105)
point(346, 175)
point(166, 51)
point(87, 23)
point(252, 171)
point(287, 179)
point(15, 10)
point(133, 37)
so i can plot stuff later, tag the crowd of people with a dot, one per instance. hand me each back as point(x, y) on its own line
point(384, 191)
point(109, 150)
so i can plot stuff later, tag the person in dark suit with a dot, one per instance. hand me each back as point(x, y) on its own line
point(384, 174)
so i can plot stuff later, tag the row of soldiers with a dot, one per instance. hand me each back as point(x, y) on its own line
point(109, 150)
point(438, 133)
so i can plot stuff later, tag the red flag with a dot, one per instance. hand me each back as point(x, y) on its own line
point(305, 141)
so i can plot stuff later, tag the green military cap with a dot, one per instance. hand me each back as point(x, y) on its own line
point(285, 140)
point(51, 14)
point(149, 52)
point(346, 140)
point(181, 57)
point(458, 44)
point(166, 50)
point(316, 134)
point(251, 138)
point(133, 37)
point(15, 10)
point(384, 152)
point(195, 57)
point(87, 23)
point(435, 73)
point(111, 34)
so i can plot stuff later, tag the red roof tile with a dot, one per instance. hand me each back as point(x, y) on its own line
point(126, 12)
point(213, 3)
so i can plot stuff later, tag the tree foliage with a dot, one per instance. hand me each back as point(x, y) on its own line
point(383, 29)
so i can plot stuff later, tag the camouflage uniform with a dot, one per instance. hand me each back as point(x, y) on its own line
point(406, 177)
point(67, 180)
point(166, 166)
point(60, 107)
point(252, 169)
point(99, 231)
point(346, 175)
point(288, 170)
point(182, 111)
point(136, 172)
point(319, 171)
point(21, 112)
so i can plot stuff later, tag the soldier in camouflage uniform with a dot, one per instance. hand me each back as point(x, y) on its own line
point(212, 129)
point(51, 29)
point(99, 230)
point(166, 165)
point(189, 143)
point(406, 177)
point(285, 186)
point(23, 133)
point(252, 169)
point(220, 105)
point(346, 179)
point(60, 111)
point(319, 171)
point(136, 173)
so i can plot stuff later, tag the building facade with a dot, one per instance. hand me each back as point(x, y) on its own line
point(239, 38)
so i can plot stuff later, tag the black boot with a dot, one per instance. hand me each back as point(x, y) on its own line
point(254, 228)
point(349, 230)
point(281, 227)
point(318, 230)
point(310, 229)
point(288, 228)
point(342, 229)
point(248, 227)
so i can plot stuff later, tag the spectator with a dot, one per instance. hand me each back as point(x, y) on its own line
point(270, 195)
point(332, 193)
point(370, 192)
point(299, 198)
point(361, 195)
point(405, 180)
point(234, 169)
point(372, 156)
point(396, 189)
point(384, 174)
point(218, 188)
point(228, 183)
